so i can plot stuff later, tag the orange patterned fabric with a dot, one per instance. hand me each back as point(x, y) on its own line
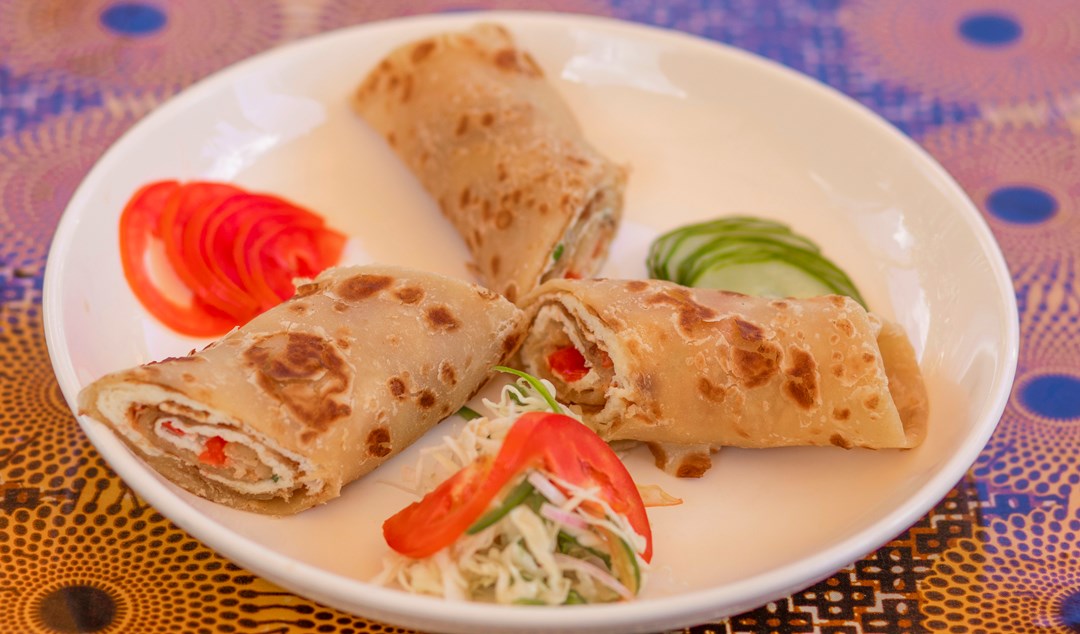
point(989, 88)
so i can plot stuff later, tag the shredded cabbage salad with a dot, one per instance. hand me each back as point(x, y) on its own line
point(537, 544)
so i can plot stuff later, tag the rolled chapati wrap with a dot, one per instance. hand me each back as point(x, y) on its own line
point(689, 370)
point(474, 119)
point(282, 412)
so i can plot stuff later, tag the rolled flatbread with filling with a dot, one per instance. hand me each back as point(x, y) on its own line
point(690, 370)
point(282, 412)
point(492, 141)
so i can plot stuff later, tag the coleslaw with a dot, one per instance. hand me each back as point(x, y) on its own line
point(543, 540)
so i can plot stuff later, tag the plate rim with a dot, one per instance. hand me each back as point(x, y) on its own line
point(421, 611)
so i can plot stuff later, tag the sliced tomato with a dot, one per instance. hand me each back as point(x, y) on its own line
point(214, 452)
point(181, 223)
point(216, 277)
point(568, 364)
point(569, 450)
point(237, 252)
point(138, 225)
point(553, 443)
point(425, 527)
point(287, 254)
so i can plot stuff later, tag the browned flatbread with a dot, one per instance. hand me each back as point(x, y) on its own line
point(315, 392)
point(492, 141)
point(691, 370)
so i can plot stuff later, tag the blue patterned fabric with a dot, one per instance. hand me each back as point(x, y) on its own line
point(990, 88)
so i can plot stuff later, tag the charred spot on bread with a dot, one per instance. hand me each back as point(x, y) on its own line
point(693, 466)
point(691, 315)
point(801, 384)
point(304, 372)
point(506, 59)
point(397, 387)
point(363, 286)
point(409, 294)
point(711, 391)
point(756, 367)
point(309, 288)
point(447, 373)
point(510, 343)
point(845, 326)
point(300, 308)
point(378, 442)
point(838, 440)
point(748, 331)
point(441, 318)
point(426, 399)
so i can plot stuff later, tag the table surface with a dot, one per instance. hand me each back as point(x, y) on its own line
point(991, 88)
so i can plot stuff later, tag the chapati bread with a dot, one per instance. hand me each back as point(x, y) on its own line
point(491, 140)
point(281, 413)
point(691, 370)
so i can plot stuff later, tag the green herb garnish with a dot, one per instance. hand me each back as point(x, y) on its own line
point(535, 384)
point(516, 496)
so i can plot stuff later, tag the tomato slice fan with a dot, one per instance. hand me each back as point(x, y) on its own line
point(551, 442)
point(236, 251)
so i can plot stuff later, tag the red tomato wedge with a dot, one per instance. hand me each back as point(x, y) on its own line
point(553, 443)
point(568, 364)
point(237, 252)
point(425, 527)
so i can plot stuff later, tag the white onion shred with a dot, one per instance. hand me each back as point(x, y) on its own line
point(518, 558)
point(546, 488)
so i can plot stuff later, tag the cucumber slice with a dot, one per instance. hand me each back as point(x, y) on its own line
point(626, 567)
point(768, 279)
point(705, 244)
point(745, 249)
point(568, 545)
point(680, 244)
point(748, 255)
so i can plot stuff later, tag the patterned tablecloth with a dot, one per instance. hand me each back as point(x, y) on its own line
point(991, 88)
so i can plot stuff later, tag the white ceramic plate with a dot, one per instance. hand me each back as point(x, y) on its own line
point(707, 130)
